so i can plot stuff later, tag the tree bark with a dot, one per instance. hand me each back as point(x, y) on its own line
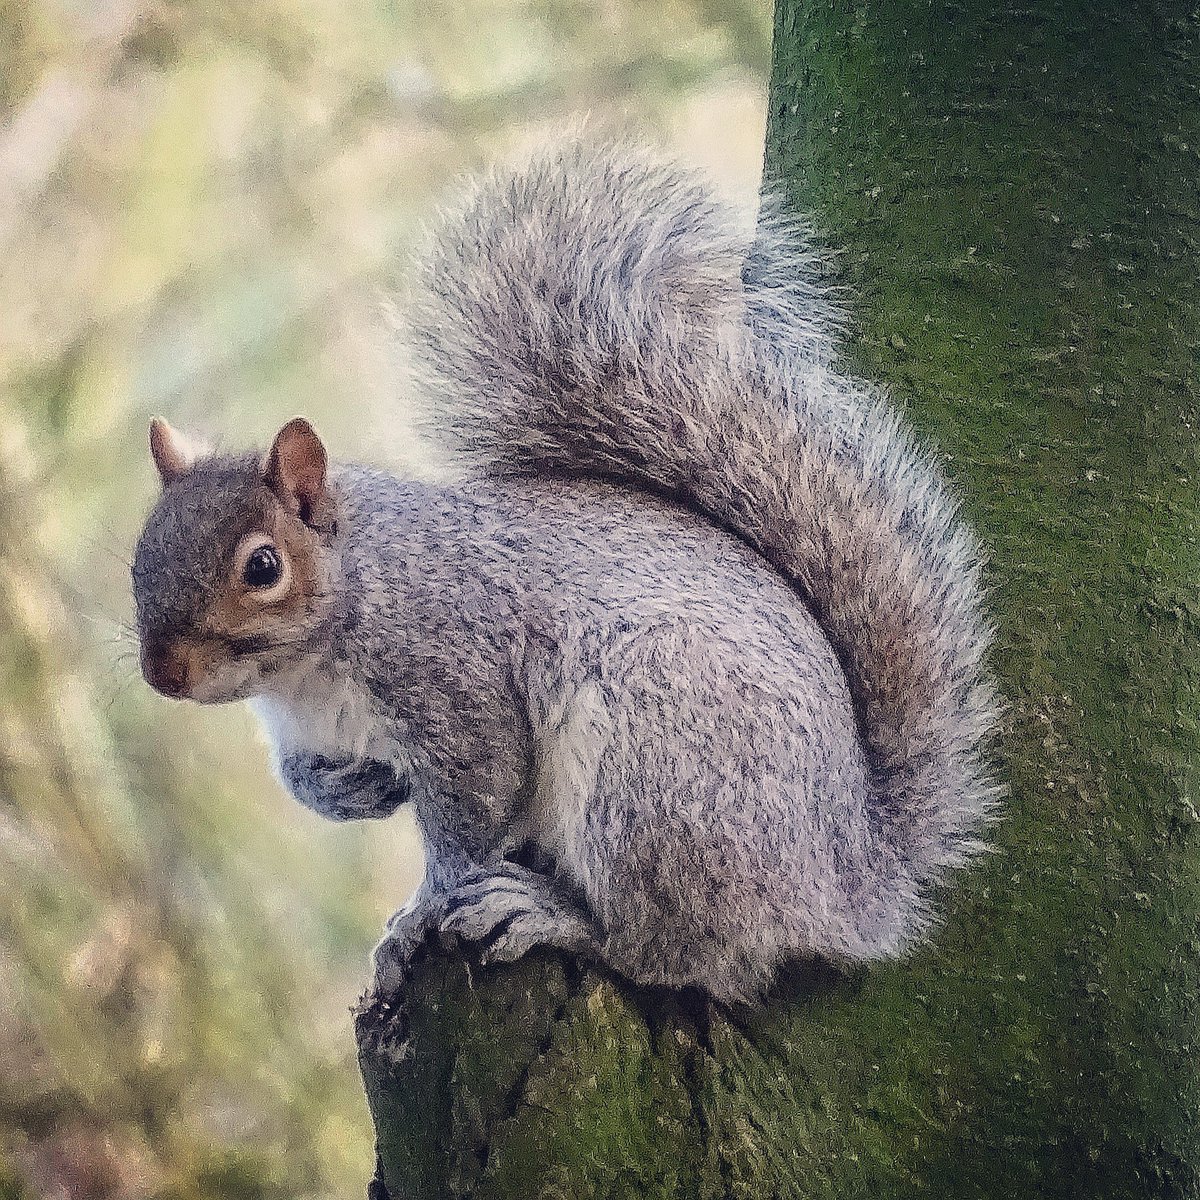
point(1015, 192)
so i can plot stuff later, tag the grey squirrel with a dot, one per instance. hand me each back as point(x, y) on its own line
point(683, 671)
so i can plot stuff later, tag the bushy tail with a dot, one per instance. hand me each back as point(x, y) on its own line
point(598, 313)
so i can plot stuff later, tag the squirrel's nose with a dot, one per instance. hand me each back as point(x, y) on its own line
point(165, 668)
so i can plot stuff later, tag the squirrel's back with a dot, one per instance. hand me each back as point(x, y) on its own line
point(608, 558)
point(598, 313)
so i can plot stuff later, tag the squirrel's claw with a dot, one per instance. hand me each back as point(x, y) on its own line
point(485, 900)
point(406, 931)
point(518, 909)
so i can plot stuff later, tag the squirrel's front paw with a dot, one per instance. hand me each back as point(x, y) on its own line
point(517, 909)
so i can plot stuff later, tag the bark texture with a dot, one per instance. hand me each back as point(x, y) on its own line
point(1014, 190)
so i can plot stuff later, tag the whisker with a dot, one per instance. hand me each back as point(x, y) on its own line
point(120, 691)
point(106, 547)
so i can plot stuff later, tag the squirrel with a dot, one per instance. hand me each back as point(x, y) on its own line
point(683, 669)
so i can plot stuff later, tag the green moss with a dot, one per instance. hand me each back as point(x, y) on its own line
point(494, 1081)
point(1016, 193)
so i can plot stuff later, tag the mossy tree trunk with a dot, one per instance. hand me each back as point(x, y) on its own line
point(1016, 192)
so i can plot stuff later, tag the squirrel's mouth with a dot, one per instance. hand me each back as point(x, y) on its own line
point(224, 690)
point(207, 670)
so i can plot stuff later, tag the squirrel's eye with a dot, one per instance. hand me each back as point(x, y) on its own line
point(263, 567)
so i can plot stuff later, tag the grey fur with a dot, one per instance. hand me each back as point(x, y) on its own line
point(699, 623)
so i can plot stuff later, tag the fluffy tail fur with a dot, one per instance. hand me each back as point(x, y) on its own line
point(598, 313)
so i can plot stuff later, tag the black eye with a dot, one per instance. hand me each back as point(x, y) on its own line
point(263, 568)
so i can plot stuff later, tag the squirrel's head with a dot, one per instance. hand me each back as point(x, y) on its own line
point(233, 572)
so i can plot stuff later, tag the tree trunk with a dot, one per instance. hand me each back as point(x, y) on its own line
point(1015, 190)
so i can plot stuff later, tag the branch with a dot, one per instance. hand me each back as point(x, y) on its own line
point(547, 1078)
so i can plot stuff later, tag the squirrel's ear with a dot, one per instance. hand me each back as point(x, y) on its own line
point(171, 451)
point(295, 470)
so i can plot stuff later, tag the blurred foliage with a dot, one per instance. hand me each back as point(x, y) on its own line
point(200, 208)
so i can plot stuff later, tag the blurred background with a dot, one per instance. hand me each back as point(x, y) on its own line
point(203, 207)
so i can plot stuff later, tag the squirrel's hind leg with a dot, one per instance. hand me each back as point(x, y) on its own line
point(517, 909)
